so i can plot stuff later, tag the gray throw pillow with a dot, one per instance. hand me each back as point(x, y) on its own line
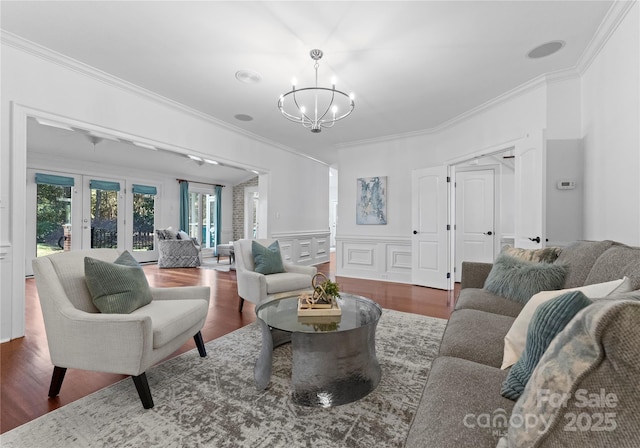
point(519, 280)
point(119, 287)
point(267, 260)
point(584, 391)
point(548, 320)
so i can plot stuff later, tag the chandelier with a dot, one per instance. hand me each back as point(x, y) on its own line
point(316, 107)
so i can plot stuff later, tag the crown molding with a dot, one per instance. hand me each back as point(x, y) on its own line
point(616, 14)
point(618, 11)
point(67, 62)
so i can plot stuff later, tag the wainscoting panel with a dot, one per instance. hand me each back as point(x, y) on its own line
point(376, 258)
point(306, 248)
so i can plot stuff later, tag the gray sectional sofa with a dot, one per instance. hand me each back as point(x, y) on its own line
point(461, 405)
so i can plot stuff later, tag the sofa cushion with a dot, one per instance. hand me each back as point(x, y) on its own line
point(267, 260)
point(519, 280)
point(483, 300)
point(549, 319)
point(476, 336)
point(615, 262)
point(515, 340)
point(459, 399)
point(169, 320)
point(544, 255)
point(595, 363)
point(287, 281)
point(119, 287)
point(580, 257)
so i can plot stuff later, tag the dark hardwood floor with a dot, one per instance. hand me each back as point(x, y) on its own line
point(25, 367)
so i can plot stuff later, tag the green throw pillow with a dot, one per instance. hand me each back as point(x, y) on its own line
point(519, 280)
point(548, 320)
point(267, 260)
point(119, 287)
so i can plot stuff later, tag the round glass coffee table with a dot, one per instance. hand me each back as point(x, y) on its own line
point(334, 357)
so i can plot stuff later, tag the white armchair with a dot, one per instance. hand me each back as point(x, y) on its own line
point(254, 287)
point(81, 337)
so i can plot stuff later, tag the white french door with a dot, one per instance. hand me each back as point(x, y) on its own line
point(69, 211)
point(429, 218)
point(103, 213)
point(530, 180)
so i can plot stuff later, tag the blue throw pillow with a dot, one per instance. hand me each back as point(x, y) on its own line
point(267, 260)
point(119, 287)
point(548, 320)
point(519, 280)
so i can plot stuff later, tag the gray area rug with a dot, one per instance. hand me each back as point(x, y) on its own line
point(213, 402)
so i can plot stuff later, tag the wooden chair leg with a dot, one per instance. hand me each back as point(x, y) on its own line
point(56, 380)
point(200, 344)
point(241, 303)
point(142, 386)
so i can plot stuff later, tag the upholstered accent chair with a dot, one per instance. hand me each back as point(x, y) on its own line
point(81, 337)
point(254, 287)
point(176, 252)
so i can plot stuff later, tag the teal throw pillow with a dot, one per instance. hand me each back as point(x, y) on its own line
point(548, 320)
point(267, 260)
point(119, 287)
point(519, 279)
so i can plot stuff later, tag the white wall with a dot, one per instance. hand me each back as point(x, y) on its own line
point(504, 122)
point(610, 117)
point(76, 93)
point(565, 208)
point(599, 105)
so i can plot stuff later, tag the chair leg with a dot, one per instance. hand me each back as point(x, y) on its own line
point(56, 380)
point(240, 306)
point(200, 344)
point(142, 386)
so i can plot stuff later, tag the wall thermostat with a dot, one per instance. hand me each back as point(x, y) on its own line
point(566, 185)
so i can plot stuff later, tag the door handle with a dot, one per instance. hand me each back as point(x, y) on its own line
point(536, 239)
point(415, 232)
point(488, 233)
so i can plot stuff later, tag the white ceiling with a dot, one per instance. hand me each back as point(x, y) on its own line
point(412, 65)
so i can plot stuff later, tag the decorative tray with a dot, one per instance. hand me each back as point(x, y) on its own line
point(315, 309)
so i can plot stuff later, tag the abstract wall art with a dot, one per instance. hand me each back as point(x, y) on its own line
point(371, 200)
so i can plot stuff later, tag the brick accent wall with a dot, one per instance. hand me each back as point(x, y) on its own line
point(238, 207)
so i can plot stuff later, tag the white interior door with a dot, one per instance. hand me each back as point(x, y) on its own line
point(430, 236)
point(530, 183)
point(475, 217)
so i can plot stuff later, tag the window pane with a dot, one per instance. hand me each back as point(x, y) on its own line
point(194, 214)
point(53, 219)
point(143, 221)
point(104, 219)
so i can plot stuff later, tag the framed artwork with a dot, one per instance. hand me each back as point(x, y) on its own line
point(371, 200)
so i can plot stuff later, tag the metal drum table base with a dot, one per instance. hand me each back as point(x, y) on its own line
point(329, 369)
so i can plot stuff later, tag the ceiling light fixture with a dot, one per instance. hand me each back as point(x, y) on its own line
point(196, 158)
point(547, 49)
point(145, 145)
point(316, 107)
point(53, 124)
point(211, 162)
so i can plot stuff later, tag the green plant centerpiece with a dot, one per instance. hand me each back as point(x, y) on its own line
point(324, 290)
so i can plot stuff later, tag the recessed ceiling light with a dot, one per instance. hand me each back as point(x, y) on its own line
point(196, 158)
point(211, 162)
point(248, 76)
point(145, 145)
point(243, 117)
point(255, 172)
point(547, 49)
